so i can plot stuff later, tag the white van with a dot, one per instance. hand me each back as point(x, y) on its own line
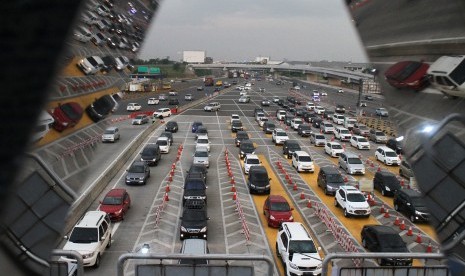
point(43, 126)
point(447, 74)
point(342, 133)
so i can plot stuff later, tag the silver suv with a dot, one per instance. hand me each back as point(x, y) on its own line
point(351, 163)
point(215, 106)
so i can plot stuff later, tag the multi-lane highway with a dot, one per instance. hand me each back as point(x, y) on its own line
point(145, 224)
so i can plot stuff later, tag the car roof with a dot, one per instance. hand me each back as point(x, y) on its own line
point(329, 169)
point(162, 138)
point(116, 192)
point(411, 193)
point(111, 128)
point(277, 198)
point(385, 148)
point(301, 152)
point(382, 229)
point(350, 189)
point(297, 231)
point(251, 156)
point(257, 168)
point(334, 143)
point(202, 137)
point(201, 149)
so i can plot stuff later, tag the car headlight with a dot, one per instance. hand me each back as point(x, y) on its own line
point(291, 218)
point(242, 153)
point(203, 230)
point(118, 212)
point(88, 255)
point(183, 229)
point(267, 186)
point(319, 266)
point(252, 185)
point(417, 213)
point(293, 266)
point(387, 188)
point(272, 217)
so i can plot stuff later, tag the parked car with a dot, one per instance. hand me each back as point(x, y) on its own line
point(138, 173)
point(90, 65)
point(133, 107)
point(111, 134)
point(265, 102)
point(244, 99)
point(140, 119)
point(408, 74)
point(386, 182)
point(277, 210)
point(411, 203)
point(258, 180)
point(82, 34)
point(151, 155)
point(359, 142)
point(66, 115)
point(98, 39)
point(100, 108)
point(116, 204)
point(352, 201)
point(382, 238)
point(214, 106)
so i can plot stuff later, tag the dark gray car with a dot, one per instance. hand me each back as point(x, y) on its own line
point(137, 173)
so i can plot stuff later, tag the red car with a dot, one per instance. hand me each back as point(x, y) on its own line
point(116, 203)
point(408, 74)
point(66, 115)
point(277, 210)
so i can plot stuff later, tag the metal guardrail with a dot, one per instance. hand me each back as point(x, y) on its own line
point(73, 254)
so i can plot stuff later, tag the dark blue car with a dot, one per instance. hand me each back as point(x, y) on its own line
point(195, 126)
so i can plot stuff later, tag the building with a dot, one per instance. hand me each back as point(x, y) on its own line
point(193, 56)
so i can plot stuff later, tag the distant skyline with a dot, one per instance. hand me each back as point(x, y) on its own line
point(241, 30)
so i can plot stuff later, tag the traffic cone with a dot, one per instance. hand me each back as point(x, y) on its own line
point(418, 239)
point(386, 214)
point(167, 189)
point(379, 168)
point(233, 188)
point(346, 179)
point(234, 196)
point(294, 187)
point(287, 176)
point(381, 210)
point(173, 166)
point(397, 221)
point(232, 180)
point(429, 249)
point(170, 178)
point(309, 204)
point(230, 172)
point(402, 225)
point(302, 196)
point(167, 197)
point(410, 231)
point(226, 151)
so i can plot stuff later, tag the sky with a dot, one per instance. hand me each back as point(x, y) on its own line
point(240, 30)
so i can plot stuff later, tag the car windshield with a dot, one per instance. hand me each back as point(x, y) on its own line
point(297, 121)
point(110, 200)
point(293, 146)
point(392, 181)
point(345, 131)
point(247, 146)
point(305, 127)
point(363, 127)
point(196, 124)
point(139, 117)
point(301, 247)
point(281, 134)
point(70, 113)
point(162, 142)
point(84, 235)
point(92, 61)
point(354, 160)
point(322, 137)
point(237, 123)
point(379, 133)
point(201, 154)
point(109, 131)
point(355, 197)
point(253, 161)
point(136, 169)
point(260, 176)
point(202, 141)
point(270, 125)
point(305, 159)
point(391, 154)
point(148, 151)
point(280, 207)
point(328, 125)
point(194, 215)
point(195, 185)
point(336, 146)
point(362, 140)
point(391, 243)
point(334, 178)
point(242, 136)
point(418, 202)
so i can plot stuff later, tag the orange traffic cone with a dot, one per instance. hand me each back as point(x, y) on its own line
point(166, 197)
point(232, 180)
point(410, 231)
point(397, 221)
point(309, 204)
point(379, 168)
point(295, 187)
point(234, 196)
point(386, 214)
point(429, 249)
point(167, 189)
point(418, 239)
point(346, 179)
point(402, 225)
point(302, 196)
point(233, 188)
point(381, 210)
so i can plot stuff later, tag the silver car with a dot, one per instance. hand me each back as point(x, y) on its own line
point(351, 163)
point(140, 120)
point(201, 157)
point(405, 170)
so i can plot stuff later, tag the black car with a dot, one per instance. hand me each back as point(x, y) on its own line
point(304, 130)
point(329, 179)
point(411, 203)
point(382, 238)
point(328, 114)
point(168, 135)
point(258, 180)
point(395, 145)
point(280, 102)
point(245, 148)
point(268, 127)
point(299, 112)
point(195, 125)
point(194, 188)
point(309, 116)
point(291, 99)
point(316, 122)
point(257, 110)
point(194, 223)
point(285, 105)
point(240, 136)
point(173, 101)
point(236, 126)
point(198, 168)
point(386, 182)
point(289, 146)
point(288, 119)
point(368, 98)
point(298, 102)
point(108, 63)
point(138, 173)
point(201, 130)
point(171, 126)
point(100, 108)
point(151, 155)
point(340, 109)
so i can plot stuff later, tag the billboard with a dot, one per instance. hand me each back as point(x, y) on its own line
point(193, 56)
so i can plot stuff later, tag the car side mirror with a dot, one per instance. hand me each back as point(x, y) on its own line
point(65, 237)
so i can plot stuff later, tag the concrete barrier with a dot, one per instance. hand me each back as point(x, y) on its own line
point(95, 189)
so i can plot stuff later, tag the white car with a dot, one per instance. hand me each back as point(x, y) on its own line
point(319, 110)
point(338, 119)
point(244, 99)
point(240, 87)
point(262, 120)
point(201, 156)
point(281, 115)
point(188, 97)
point(275, 99)
point(351, 163)
point(162, 97)
point(342, 133)
point(387, 156)
point(249, 161)
point(302, 161)
point(333, 149)
point(279, 136)
point(153, 101)
point(202, 142)
point(340, 91)
point(310, 106)
point(133, 107)
point(296, 122)
point(259, 115)
point(162, 113)
point(243, 93)
point(359, 142)
point(90, 65)
point(214, 106)
point(327, 127)
point(323, 93)
point(111, 134)
point(352, 201)
point(173, 93)
point(382, 112)
point(164, 144)
point(234, 117)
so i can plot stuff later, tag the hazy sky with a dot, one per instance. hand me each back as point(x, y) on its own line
point(238, 30)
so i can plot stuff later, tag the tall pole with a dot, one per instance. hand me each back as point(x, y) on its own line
point(360, 89)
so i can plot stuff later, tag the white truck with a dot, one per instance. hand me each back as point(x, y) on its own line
point(446, 74)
